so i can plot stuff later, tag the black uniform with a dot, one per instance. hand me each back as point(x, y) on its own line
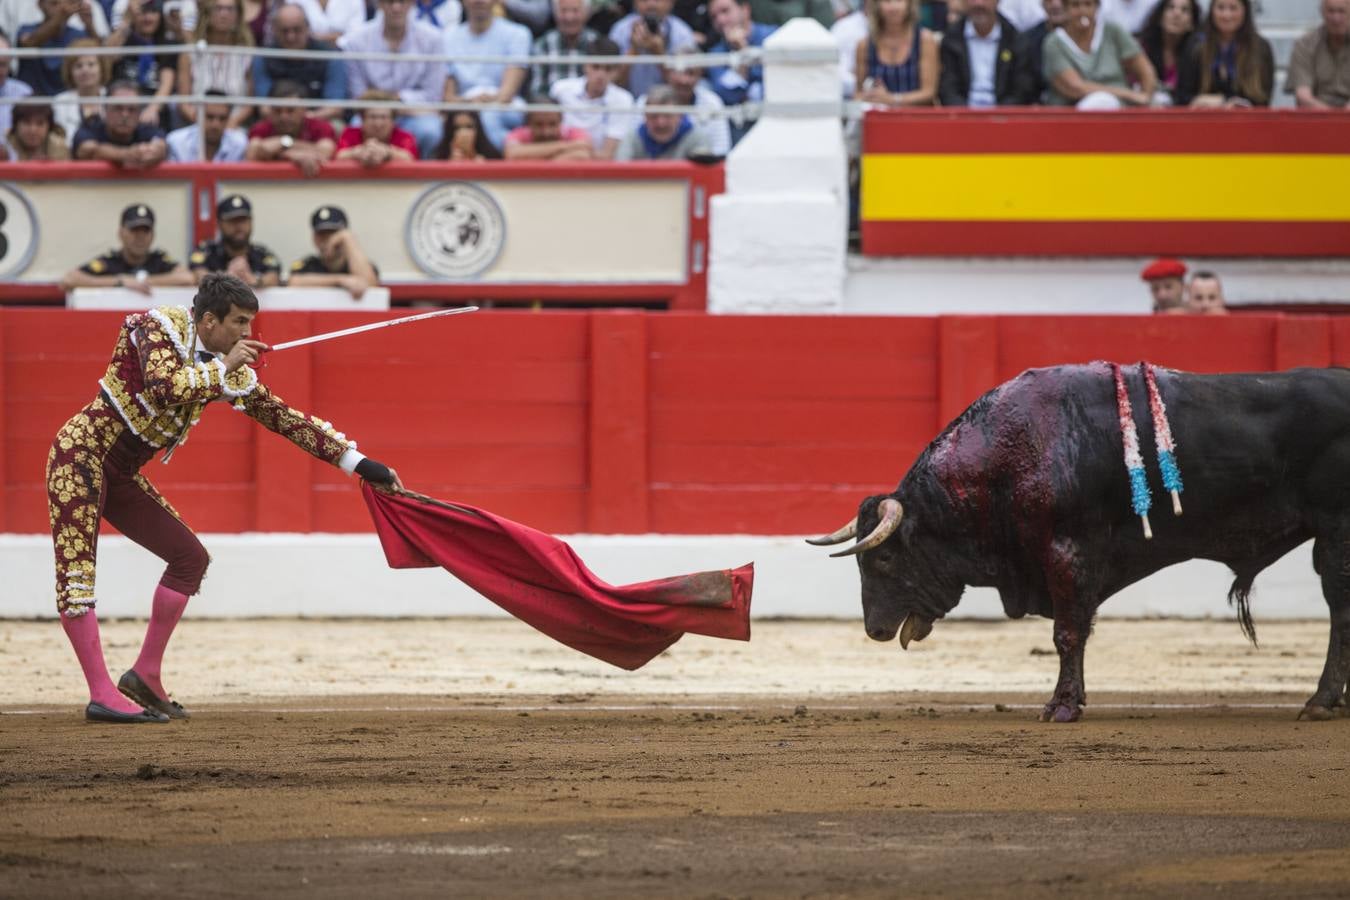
point(212, 256)
point(157, 262)
point(313, 265)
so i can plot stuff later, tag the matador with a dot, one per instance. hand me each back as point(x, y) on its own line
point(168, 364)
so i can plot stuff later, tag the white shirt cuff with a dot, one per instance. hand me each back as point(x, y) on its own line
point(349, 461)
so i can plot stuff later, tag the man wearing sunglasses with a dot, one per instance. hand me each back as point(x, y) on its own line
point(118, 136)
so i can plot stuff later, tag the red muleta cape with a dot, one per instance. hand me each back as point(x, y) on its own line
point(540, 580)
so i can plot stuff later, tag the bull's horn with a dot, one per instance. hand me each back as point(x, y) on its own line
point(848, 531)
point(890, 520)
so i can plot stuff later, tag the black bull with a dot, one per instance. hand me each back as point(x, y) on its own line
point(1027, 492)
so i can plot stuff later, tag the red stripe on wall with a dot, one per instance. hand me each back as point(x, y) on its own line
point(983, 238)
point(1037, 130)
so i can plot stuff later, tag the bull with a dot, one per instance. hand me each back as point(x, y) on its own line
point(1027, 492)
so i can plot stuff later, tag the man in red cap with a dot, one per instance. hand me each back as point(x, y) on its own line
point(1166, 281)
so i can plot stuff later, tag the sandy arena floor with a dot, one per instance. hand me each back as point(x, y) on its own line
point(476, 758)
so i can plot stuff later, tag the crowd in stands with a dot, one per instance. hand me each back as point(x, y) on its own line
point(1093, 54)
point(1172, 293)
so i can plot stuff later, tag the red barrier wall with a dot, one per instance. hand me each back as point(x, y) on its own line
point(602, 421)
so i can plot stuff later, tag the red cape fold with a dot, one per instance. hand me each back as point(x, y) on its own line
point(540, 580)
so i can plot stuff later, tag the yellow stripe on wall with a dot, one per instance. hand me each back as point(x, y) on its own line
point(1025, 187)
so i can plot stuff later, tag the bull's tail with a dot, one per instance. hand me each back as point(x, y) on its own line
point(1239, 596)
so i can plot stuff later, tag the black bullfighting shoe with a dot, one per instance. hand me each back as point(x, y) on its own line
point(97, 712)
point(131, 685)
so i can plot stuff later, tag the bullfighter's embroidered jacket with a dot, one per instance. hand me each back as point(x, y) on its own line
point(159, 384)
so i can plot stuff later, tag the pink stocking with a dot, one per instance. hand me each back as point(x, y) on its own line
point(83, 634)
point(164, 615)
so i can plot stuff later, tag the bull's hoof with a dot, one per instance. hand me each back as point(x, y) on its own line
point(1061, 712)
point(1315, 712)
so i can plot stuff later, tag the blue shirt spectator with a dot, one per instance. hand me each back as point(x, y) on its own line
point(43, 74)
point(9, 87)
point(650, 30)
point(483, 34)
point(732, 19)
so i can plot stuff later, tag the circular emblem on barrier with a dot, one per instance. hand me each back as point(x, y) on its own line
point(18, 231)
point(456, 230)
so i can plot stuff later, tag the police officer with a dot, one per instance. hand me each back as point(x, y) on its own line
point(136, 265)
point(251, 263)
point(340, 261)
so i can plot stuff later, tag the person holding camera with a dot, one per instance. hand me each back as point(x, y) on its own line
point(650, 30)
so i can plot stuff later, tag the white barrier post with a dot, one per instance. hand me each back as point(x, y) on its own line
point(779, 232)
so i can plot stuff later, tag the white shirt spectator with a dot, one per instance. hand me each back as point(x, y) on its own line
point(414, 82)
point(847, 33)
point(338, 17)
point(1128, 14)
point(983, 60)
point(714, 127)
point(607, 116)
point(184, 145)
point(1023, 14)
point(14, 14)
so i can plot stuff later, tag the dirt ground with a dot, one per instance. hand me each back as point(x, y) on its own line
point(474, 758)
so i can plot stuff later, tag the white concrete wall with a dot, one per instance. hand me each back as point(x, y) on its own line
point(346, 575)
point(778, 232)
point(925, 286)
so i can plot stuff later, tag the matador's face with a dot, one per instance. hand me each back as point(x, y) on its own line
point(219, 335)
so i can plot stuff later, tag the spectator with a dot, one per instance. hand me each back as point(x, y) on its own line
point(318, 78)
point(463, 139)
point(691, 90)
point(340, 261)
point(234, 252)
point(1029, 84)
point(33, 136)
point(9, 87)
point(15, 14)
point(569, 37)
point(649, 30)
point(1164, 36)
point(43, 74)
point(898, 64)
point(484, 34)
point(329, 20)
point(600, 108)
point(1226, 63)
point(664, 135)
point(377, 140)
point(136, 264)
point(1166, 282)
point(1204, 296)
point(223, 144)
point(414, 82)
point(978, 58)
point(86, 77)
point(141, 29)
point(255, 15)
point(117, 136)
point(221, 24)
point(1319, 69)
point(544, 137)
point(1093, 64)
point(441, 15)
point(777, 12)
point(848, 32)
point(288, 133)
point(744, 84)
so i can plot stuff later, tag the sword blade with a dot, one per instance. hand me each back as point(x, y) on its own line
point(373, 326)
